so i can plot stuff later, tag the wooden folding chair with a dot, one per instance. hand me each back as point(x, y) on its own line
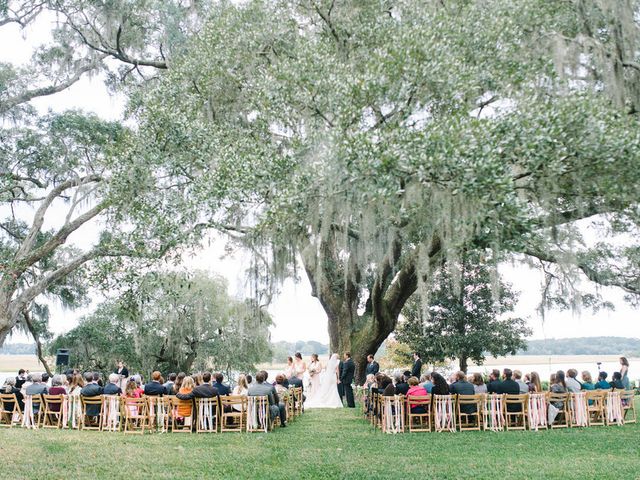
point(493, 412)
point(180, 423)
point(393, 414)
point(258, 414)
point(111, 413)
point(469, 410)
point(537, 416)
point(562, 418)
point(93, 404)
point(614, 411)
point(628, 406)
point(10, 413)
point(419, 422)
point(444, 413)
point(33, 408)
point(234, 413)
point(578, 410)
point(298, 400)
point(158, 410)
point(596, 410)
point(207, 415)
point(515, 411)
point(53, 409)
point(135, 414)
point(291, 407)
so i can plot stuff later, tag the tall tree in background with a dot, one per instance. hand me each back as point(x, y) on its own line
point(172, 322)
point(467, 316)
point(369, 144)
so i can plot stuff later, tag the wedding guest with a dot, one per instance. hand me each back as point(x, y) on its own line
point(259, 389)
point(77, 382)
point(294, 381)
point(372, 366)
point(602, 383)
point(38, 387)
point(131, 390)
point(242, 387)
point(155, 388)
point(205, 390)
point(221, 387)
point(186, 388)
point(478, 383)
point(91, 389)
point(624, 372)
point(573, 385)
point(45, 378)
point(250, 379)
point(416, 369)
point(197, 379)
point(98, 379)
point(178, 383)
point(369, 381)
point(425, 380)
point(461, 387)
point(171, 381)
point(289, 370)
point(517, 376)
point(534, 384)
point(9, 388)
point(283, 393)
point(587, 381)
point(494, 382)
point(386, 387)
point(559, 386)
point(113, 387)
point(402, 387)
point(56, 389)
point(28, 381)
point(416, 390)
point(552, 380)
point(616, 383)
point(440, 386)
point(299, 365)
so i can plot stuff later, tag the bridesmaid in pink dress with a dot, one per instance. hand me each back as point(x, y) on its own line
point(299, 366)
point(315, 368)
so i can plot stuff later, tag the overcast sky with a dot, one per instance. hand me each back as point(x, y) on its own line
point(297, 315)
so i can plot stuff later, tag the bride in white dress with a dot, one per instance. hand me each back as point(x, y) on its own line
point(326, 396)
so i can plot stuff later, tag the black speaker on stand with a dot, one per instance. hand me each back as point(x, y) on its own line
point(62, 358)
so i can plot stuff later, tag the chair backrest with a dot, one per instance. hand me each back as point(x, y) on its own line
point(233, 400)
point(419, 400)
point(9, 400)
point(470, 399)
point(53, 400)
point(207, 414)
point(515, 399)
point(443, 413)
point(257, 414)
point(558, 397)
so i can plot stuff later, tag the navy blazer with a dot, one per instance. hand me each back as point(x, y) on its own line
point(222, 388)
point(112, 389)
point(154, 389)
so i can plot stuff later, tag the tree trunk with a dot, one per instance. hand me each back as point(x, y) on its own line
point(463, 363)
point(340, 294)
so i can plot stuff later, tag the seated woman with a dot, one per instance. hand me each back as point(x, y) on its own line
point(602, 383)
point(369, 381)
point(534, 383)
point(77, 382)
point(385, 386)
point(185, 408)
point(559, 386)
point(478, 383)
point(416, 390)
point(56, 389)
point(440, 385)
point(587, 381)
point(9, 387)
point(281, 390)
point(178, 383)
point(241, 389)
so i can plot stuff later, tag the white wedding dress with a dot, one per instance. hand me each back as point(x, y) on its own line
point(326, 396)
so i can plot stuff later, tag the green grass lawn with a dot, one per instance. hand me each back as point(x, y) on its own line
point(323, 444)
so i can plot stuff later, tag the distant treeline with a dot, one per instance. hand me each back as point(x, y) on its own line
point(624, 346)
point(18, 349)
point(282, 350)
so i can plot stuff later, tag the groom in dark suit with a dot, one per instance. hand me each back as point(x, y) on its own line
point(346, 378)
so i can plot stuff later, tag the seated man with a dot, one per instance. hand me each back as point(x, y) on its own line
point(510, 387)
point(154, 388)
point(38, 387)
point(402, 387)
point(205, 390)
point(461, 387)
point(494, 382)
point(91, 389)
point(221, 387)
point(260, 388)
point(113, 387)
point(602, 383)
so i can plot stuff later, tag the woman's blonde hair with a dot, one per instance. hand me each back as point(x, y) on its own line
point(188, 383)
point(586, 376)
point(242, 381)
